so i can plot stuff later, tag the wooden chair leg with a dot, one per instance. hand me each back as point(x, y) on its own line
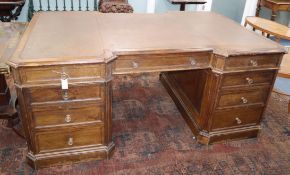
point(263, 33)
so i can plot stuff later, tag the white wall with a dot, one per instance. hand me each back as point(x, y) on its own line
point(233, 9)
point(250, 9)
point(140, 6)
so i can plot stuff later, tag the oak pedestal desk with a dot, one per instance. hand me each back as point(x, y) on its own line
point(219, 75)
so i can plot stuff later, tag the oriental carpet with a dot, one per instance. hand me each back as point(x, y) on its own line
point(151, 137)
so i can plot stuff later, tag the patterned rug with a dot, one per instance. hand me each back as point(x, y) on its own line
point(152, 138)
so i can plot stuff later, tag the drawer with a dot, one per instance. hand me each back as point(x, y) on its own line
point(231, 98)
point(160, 62)
point(252, 62)
point(236, 117)
point(53, 74)
point(67, 114)
point(56, 94)
point(69, 138)
point(248, 79)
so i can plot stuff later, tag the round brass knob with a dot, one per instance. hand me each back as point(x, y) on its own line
point(239, 121)
point(65, 95)
point(70, 141)
point(249, 80)
point(244, 100)
point(192, 62)
point(254, 63)
point(67, 118)
point(135, 65)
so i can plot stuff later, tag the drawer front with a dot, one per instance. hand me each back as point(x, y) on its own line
point(248, 79)
point(243, 98)
point(74, 92)
point(67, 114)
point(252, 62)
point(53, 74)
point(236, 117)
point(162, 62)
point(69, 138)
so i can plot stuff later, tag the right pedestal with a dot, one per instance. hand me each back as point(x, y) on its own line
point(220, 106)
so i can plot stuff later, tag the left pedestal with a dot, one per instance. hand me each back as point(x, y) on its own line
point(66, 112)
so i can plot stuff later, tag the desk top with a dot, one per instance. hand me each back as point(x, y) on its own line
point(86, 37)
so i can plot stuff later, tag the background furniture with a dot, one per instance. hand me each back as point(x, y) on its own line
point(280, 34)
point(60, 5)
point(65, 93)
point(183, 3)
point(268, 27)
point(10, 34)
point(115, 6)
point(105, 6)
point(274, 5)
point(10, 9)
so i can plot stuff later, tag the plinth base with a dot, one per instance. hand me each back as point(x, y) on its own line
point(68, 157)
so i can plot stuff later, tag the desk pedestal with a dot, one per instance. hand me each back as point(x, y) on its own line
point(215, 110)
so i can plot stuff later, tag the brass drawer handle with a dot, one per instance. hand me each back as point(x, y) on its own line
point(70, 141)
point(65, 94)
point(135, 65)
point(67, 118)
point(239, 121)
point(250, 81)
point(254, 63)
point(244, 100)
point(192, 61)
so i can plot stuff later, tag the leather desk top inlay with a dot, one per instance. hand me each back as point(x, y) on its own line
point(95, 37)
